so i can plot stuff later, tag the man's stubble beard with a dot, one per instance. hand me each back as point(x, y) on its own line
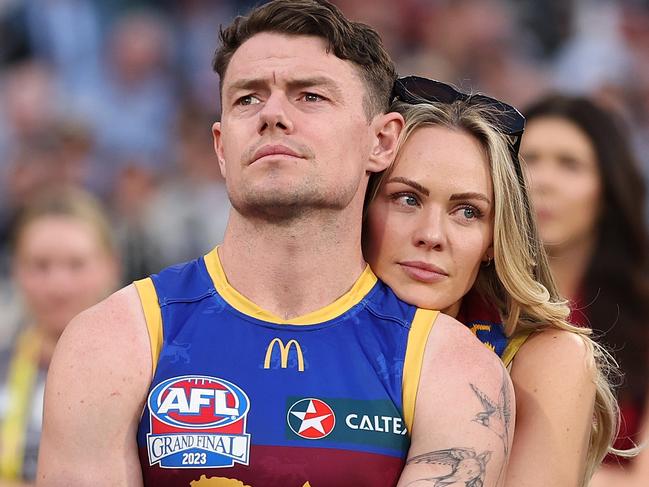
point(287, 206)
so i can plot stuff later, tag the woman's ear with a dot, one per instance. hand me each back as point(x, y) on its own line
point(386, 128)
point(488, 257)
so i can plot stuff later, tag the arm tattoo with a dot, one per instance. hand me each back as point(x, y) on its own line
point(496, 416)
point(467, 468)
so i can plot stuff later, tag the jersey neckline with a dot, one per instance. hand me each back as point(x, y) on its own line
point(238, 301)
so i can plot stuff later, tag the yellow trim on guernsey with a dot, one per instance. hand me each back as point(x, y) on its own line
point(420, 328)
point(513, 345)
point(23, 372)
point(151, 308)
point(351, 298)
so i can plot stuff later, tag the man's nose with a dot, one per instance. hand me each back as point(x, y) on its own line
point(275, 114)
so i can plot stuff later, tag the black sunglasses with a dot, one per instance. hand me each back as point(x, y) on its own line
point(507, 119)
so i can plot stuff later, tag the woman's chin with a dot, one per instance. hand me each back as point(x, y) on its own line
point(427, 301)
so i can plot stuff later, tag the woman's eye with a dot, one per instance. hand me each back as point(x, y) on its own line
point(406, 200)
point(471, 213)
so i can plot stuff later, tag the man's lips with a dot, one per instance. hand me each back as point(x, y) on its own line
point(274, 150)
point(423, 271)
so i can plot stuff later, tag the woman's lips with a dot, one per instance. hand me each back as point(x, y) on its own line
point(424, 272)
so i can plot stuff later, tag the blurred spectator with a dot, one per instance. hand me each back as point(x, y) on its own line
point(197, 32)
point(189, 212)
point(64, 260)
point(589, 196)
point(27, 104)
point(135, 187)
point(133, 106)
point(13, 32)
point(67, 34)
point(487, 53)
point(56, 155)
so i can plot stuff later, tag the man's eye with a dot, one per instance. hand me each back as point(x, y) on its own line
point(247, 100)
point(312, 97)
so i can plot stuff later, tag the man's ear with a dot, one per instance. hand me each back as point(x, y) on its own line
point(218, 146)
point(386, 130)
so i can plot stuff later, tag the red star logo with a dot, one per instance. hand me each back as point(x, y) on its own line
point(311, 418)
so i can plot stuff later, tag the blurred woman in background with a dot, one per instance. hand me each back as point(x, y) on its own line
point(589, 197)
point(63, 261)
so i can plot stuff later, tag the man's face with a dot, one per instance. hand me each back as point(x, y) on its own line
point(294, 136)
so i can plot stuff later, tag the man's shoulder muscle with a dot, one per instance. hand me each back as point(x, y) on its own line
point(96, 387)
point(108, 338)
point(464, 409)
point(453, 345)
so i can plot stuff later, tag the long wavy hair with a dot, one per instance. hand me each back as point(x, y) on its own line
point(520, 284)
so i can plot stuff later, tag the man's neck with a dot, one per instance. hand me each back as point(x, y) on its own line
point(295, 269)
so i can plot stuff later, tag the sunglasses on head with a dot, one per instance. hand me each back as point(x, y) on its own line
point(507, 119)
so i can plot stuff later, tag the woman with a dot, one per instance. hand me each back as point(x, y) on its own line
point(589, 197)
point(451, 218)
point(64, 260)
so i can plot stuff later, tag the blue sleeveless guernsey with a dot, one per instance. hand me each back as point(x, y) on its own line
point(241, 397)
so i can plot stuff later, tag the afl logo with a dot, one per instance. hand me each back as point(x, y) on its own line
point(196, 401)
point(311, 418)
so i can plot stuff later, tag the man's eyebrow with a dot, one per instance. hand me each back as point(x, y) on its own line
point(409, 182)
point(256, 84)
point(314, 81)
point(246, 84)
point(470, 196)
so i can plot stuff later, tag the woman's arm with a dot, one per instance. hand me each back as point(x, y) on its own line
point(553, 375)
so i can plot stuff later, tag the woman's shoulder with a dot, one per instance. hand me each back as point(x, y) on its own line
point(554, 342)
point(555, 356)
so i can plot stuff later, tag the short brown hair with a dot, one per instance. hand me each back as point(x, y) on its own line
point(352, 41)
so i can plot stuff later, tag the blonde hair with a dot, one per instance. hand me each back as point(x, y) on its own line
point(520, 284)
point(68, 202)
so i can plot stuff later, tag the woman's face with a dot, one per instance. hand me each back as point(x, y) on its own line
point(61, 268)
point(565, 184)
point(431, 223)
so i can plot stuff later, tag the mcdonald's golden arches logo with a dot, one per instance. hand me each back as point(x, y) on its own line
point(283, 353)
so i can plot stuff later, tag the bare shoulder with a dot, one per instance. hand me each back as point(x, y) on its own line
point(108, 342)
point(95, 391)
point(120, 313)
point(554, 382)
point(555, 355)
point(456, 347)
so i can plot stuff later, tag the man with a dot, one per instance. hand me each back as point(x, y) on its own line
point(278, 359)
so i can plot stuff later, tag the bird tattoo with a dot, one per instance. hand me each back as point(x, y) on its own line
point(496, 416)
point(468, 468)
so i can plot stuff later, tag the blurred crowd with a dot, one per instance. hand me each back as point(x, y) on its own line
point(117, 97)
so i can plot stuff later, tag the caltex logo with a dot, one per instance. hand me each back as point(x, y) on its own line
point(311, 418)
